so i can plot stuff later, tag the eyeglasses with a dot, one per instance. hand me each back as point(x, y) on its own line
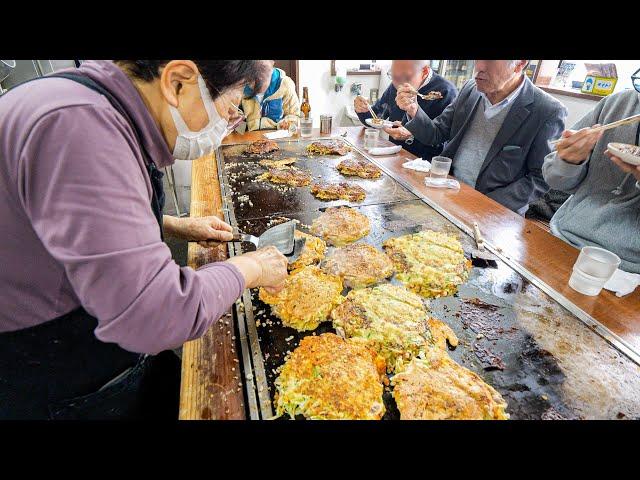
point(635, 78)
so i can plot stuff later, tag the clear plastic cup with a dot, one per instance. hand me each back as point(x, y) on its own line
point(371, 136)
point(586, 284)
point(597, 262)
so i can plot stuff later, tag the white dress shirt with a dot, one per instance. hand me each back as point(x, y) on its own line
point(491, 110)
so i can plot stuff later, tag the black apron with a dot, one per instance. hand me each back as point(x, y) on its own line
point(59, 369)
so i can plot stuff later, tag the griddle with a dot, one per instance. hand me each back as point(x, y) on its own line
point(545, 362)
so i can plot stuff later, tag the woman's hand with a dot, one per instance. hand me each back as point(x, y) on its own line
point(576, 146)
point(198, 229)
point(624, 166)
point(399, 132)
point(265, 267)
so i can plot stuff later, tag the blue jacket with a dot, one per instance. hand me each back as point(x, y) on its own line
point(511, 173)
point(387, 108)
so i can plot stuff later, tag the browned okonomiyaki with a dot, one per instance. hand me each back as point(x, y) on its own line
point(358, 167)
point(261, 147)
point(312, 252)
point(337, 191)
point(359, 265)
point(290, 176)
point(330, 147)
point(341, 225)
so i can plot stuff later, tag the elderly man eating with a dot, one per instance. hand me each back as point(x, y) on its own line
point(497, 131)
point(421, 77)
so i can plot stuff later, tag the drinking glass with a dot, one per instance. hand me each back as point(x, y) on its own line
point(440, 167)
point(306, 127)
point(371, 136)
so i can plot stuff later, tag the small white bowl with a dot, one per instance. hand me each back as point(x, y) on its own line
point(620, 150)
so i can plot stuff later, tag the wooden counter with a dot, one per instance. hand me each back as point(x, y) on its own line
point(210, 365)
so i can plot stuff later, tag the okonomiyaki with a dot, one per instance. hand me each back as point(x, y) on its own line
point(337, 191)
point(359, 168)
point(312, 252)
point(307, 298)
point(261, 147)
point(430, 263)
point(389, 319)
point(437, 388)
point(328, 147)
point(359, 265)
point(290, 176)
point(330, 378)
point(341, 225)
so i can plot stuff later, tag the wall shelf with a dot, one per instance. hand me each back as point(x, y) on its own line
point(363, 72)
point(571, 93)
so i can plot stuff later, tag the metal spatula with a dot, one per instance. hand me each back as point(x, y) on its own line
point(281, 236)
point(481, 257)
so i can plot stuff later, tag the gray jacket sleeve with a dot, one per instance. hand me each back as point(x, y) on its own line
point(565, 176)
point(432, 132)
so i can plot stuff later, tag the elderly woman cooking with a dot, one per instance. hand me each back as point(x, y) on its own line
point(90, 292)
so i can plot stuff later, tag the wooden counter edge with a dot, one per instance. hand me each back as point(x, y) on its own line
point(211, 387)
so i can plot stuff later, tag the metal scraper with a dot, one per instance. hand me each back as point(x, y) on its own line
point(480, 256)
point(281, 236)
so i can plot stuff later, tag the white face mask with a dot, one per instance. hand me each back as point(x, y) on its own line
point(192, 145)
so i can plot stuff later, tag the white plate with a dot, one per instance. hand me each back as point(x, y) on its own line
point(625, 156)
point(385, 123)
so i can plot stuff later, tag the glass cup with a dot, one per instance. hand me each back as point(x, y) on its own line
point(439, 170)
point(586, 284)
point(371, 136)
point(597, 262)
point(593, 268)
point(306, 127)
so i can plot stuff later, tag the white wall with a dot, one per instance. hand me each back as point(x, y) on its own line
point(316, 75)
point(577, 107)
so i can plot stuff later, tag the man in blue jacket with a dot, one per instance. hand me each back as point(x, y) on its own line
point(418, 74)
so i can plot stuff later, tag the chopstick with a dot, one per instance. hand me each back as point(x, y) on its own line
point(609, 126)
point(371, 111)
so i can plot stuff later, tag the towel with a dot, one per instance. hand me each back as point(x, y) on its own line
point(385, 150)
point(448, 183)
point(277, 134)
point(418, 164)
point(623, 283)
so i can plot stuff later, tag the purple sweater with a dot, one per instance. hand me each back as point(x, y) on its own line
point(77, 225)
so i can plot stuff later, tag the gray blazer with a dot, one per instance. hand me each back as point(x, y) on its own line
point(512, 170)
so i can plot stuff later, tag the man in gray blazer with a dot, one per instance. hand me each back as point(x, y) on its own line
point(497, 131)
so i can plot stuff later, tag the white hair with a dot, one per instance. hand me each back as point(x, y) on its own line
point(513, 63)
point(421, 63)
